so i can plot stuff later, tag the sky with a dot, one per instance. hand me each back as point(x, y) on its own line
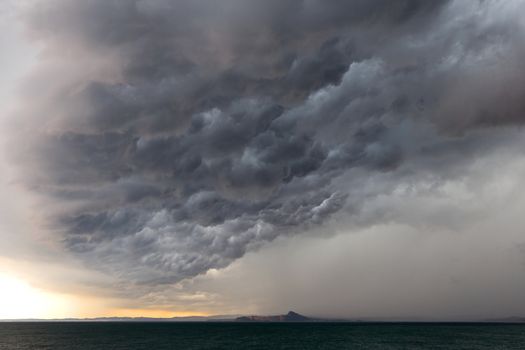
point(358, 159)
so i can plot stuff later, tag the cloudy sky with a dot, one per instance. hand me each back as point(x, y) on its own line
point(339, 158)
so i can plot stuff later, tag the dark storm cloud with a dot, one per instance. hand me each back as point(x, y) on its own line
point(220, 127)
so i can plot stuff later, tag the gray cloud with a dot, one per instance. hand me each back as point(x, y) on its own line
point(180, 135)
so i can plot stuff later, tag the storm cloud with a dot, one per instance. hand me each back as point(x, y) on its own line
point(172, 137)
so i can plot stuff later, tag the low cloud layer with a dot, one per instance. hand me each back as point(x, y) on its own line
point(173, 137)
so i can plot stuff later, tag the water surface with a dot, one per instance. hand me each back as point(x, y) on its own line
point(208, 335)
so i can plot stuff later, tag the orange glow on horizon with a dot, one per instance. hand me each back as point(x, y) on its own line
point(20, 300)
point(152, 313)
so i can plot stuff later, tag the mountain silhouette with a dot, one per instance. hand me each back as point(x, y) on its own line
point(291, 316)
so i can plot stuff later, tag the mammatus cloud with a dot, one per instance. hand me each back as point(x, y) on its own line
point(171, 137)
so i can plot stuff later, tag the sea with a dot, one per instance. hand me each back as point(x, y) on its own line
point(235, 335)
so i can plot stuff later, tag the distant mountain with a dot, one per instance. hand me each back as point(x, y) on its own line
point(289, 317)
point(216, 318)
point(152, 319)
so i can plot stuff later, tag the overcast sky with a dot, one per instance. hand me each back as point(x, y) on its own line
point(346, 158)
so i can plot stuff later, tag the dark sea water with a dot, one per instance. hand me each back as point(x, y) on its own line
point(131, 336)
